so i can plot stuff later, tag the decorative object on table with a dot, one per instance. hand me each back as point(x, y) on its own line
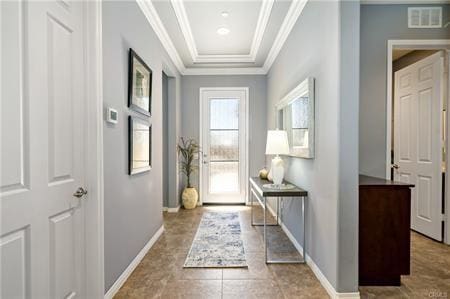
point(139, 145)
point(296, 117)
point(277, 144)
point(263, 173)
point(189, 149)
point(139, 85)
point(217, 243)
point(279, 187)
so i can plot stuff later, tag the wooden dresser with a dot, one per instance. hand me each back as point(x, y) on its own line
point(384, 231)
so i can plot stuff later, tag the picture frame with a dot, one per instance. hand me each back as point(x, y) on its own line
point(139, 84)
point(139, 145)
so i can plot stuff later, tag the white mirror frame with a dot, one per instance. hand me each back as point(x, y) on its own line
point(305, 87)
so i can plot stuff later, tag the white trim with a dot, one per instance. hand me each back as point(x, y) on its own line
point(292, 15)
point(247, 135)
point(224, 71)
point(183, 21)
point(411, 2)
point(93, 205)
point(153, 18)
point(134, 263)
point(316, 270)
point(447, 179)
point(171, 210)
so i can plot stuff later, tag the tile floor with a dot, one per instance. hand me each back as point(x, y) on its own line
point(161, 273)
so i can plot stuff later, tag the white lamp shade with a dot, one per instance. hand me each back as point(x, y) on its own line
point(277, 143)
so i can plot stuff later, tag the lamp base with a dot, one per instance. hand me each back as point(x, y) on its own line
point(277, 170)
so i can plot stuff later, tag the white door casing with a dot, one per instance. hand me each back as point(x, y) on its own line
point(219, 185)
point(418, 142)
point(43, 129)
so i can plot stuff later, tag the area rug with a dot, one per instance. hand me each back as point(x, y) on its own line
point(217, 243)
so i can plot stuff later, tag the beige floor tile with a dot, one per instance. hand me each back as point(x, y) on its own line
point(251, 289)
point(210, 289)
point(161, 273)
point(257, 268)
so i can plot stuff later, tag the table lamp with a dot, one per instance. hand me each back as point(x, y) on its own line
point(277, 144)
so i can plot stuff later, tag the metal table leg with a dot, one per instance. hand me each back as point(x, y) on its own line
point(265, 228)
point(303, 217)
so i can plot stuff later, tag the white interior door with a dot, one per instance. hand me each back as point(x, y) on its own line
point(223, 135)
point(42, 156)
point(418, 140)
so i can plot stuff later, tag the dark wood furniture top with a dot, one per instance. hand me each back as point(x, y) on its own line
point(370, 181)
point(384, 231)
point(266, 192)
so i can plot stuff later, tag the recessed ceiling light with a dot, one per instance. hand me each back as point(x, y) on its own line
point(225, 14)
point(223, 31)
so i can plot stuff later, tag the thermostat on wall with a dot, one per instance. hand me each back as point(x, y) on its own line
point(112, 116)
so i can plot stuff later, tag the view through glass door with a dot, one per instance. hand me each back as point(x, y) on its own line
point(223, 142)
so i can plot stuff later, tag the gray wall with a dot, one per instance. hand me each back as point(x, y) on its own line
point(379, 23)
point(132, 203)
point(304, 54)
point(165, 136)
point(173, 129)
point(190, 90)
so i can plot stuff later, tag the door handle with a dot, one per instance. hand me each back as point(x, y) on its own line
point(80, 192)
point(395, 166)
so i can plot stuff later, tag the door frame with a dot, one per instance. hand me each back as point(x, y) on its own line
point(247, 136)
point(420, 44)
point(93, 205)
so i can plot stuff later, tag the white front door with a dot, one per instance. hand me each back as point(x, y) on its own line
point(223, 144)
point(42, 149)
point(418, 140)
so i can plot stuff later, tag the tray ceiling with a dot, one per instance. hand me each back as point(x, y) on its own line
point(189, 30)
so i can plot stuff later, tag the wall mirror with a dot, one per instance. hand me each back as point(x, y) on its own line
point(295, 114)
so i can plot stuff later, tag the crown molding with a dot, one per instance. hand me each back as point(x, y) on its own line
point(153, 18)
point(261, 25)
point(155, 22)
point(292, 15)
point(185, 27)
point(225, 71)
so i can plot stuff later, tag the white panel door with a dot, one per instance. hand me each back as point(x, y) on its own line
point(223, 131)
point(42, 142)
point(418, 142)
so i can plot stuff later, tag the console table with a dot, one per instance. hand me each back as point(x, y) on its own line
point(261, 193)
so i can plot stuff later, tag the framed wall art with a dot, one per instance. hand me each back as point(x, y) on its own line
point(139, 145)
point(139, 85)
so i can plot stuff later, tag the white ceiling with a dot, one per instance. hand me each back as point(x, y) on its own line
point(188, 30)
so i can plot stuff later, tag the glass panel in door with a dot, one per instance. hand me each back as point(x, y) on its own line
point(224, 149)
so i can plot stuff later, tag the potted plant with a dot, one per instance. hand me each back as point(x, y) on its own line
point(188, 148)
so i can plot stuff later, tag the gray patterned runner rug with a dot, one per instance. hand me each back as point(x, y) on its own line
point(217, 243)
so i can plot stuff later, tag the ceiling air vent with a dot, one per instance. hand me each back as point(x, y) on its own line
point(424, 17)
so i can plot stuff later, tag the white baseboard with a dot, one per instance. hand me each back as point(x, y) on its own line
point(171, 210)
point(323, 280)
point(124, 276)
